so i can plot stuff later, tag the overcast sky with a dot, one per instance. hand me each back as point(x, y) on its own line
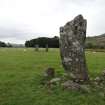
point(21, 20)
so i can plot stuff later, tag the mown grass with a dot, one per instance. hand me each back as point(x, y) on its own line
point(20, 77)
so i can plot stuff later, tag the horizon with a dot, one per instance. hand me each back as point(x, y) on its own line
point(23, 44)
point(22, 20)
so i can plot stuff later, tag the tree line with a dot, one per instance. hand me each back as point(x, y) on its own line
point(43, 41)
point(3, 44)
point(54, 43)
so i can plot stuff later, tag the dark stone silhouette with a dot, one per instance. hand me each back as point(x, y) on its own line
point(50, 73)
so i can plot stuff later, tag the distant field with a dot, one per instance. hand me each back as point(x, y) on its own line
point(20, 75)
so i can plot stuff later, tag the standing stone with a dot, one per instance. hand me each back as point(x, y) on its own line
point(72, 42)
point(49, 73)
point(36, 47)
point(46, 47)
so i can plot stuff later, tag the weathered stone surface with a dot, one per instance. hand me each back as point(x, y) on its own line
point(103, 73)
point(71, 85)
point(72, 42)
point(100, 80)
point(85, 88)
point(54, 80)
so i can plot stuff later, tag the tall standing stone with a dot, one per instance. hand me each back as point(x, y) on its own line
point(72, 42)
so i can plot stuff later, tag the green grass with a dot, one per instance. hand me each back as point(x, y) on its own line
point(20, 76)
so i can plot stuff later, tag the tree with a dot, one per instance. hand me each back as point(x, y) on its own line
point(43, 41)
point(2, 44)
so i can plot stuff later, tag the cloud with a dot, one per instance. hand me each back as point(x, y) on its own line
point(21, 20)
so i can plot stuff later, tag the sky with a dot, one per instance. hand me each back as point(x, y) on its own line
point(22, 20)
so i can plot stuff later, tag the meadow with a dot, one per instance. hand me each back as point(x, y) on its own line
point(21, 72)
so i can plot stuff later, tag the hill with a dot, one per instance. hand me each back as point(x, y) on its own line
point(96, 41)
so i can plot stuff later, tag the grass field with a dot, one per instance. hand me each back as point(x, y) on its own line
point(20, 76)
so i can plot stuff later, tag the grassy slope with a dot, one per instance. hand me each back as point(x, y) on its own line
point(20, 79)
point(96, 40)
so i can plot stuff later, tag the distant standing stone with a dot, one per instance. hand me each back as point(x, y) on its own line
point(72, 42)
point(46, 47)
point(36, 47)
